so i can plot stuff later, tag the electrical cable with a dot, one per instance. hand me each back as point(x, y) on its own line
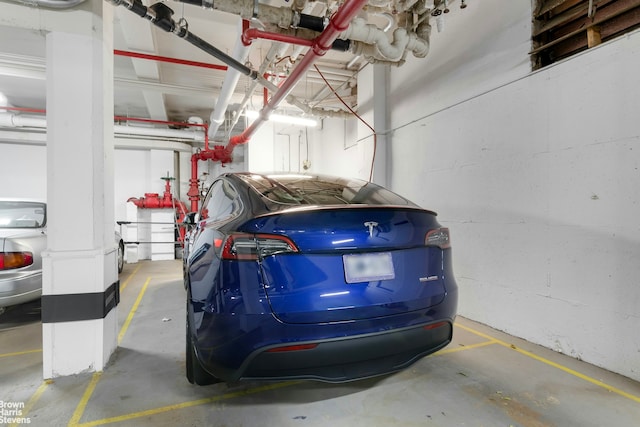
point(375, 139)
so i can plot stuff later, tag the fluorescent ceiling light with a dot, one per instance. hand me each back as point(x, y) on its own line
point(281, 118)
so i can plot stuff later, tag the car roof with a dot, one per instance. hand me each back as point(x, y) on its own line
point(21, 199)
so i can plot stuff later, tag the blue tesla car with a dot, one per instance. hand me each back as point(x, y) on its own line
point(313, 277)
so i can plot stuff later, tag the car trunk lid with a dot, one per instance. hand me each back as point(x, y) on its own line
point(352, 264)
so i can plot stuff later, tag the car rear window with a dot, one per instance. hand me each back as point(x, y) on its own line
point(19, 214)
point(318, 190)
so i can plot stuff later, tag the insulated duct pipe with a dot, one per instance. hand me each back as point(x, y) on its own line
point(19, 121)
point(240, 53)
point(338, 23)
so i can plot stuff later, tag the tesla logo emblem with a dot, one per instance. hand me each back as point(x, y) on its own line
point(372, 225)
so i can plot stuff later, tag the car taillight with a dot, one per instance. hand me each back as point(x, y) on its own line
point(297, 347)
point(254, 246)
point(438, 237)
point(9, 260)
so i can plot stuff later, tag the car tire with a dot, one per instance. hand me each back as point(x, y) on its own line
point(120, 256)
point(196, 374)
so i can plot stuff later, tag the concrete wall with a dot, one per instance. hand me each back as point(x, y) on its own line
point(537, 176)
point(23, 169)
point(329, 148)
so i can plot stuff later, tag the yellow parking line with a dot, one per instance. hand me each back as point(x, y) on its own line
point(554, 364)
point(133, 310)
point(32, 401)
point(40, 390)
point(20, 353)
point(133, 273)
point(464, 347)
point(77, 414)
point(192, 403)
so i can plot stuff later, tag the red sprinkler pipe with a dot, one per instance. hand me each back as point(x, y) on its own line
point(321, 45)
point(158, 58)
point(151, 200)
point(217, 154)
point(194, 189)
point(251, 34)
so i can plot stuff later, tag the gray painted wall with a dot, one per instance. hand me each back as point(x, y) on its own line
point(536, 174)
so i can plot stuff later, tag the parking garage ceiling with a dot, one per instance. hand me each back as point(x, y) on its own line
point(163, 77)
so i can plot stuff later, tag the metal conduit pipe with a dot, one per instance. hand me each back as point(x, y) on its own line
point(276, 50)
point(338, 23)
point(297, 103)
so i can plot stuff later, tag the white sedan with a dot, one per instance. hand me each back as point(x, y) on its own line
point(23, 238)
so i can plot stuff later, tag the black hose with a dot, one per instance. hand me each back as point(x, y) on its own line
point(341, 45)
point(311, 22)
point(217, 53)
point(138, 8)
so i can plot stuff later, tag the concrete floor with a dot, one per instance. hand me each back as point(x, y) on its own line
point(484, 378)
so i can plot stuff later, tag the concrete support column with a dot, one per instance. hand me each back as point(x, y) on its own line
point(80, 281)
point(380, 123)
point(373, 89)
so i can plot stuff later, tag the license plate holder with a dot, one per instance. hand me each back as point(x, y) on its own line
point(368, 267)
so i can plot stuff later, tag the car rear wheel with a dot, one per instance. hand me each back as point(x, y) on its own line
point(120, 257)
point(196, 374)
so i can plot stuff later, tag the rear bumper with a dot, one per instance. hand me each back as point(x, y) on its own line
point(18, 289)
point(350, 358)
point(342, 352)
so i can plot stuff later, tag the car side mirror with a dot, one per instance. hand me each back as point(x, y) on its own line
point(190, 220)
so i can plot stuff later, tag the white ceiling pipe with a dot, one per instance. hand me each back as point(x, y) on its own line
point(231, 78)
point(53, 4)
point(369, 34)
point(191, 135)
point(277, 50)
point(299, 5)
point(39, 138)
point(249, 9)
point(19, 121)
point(380, 3)
point(333, 71)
